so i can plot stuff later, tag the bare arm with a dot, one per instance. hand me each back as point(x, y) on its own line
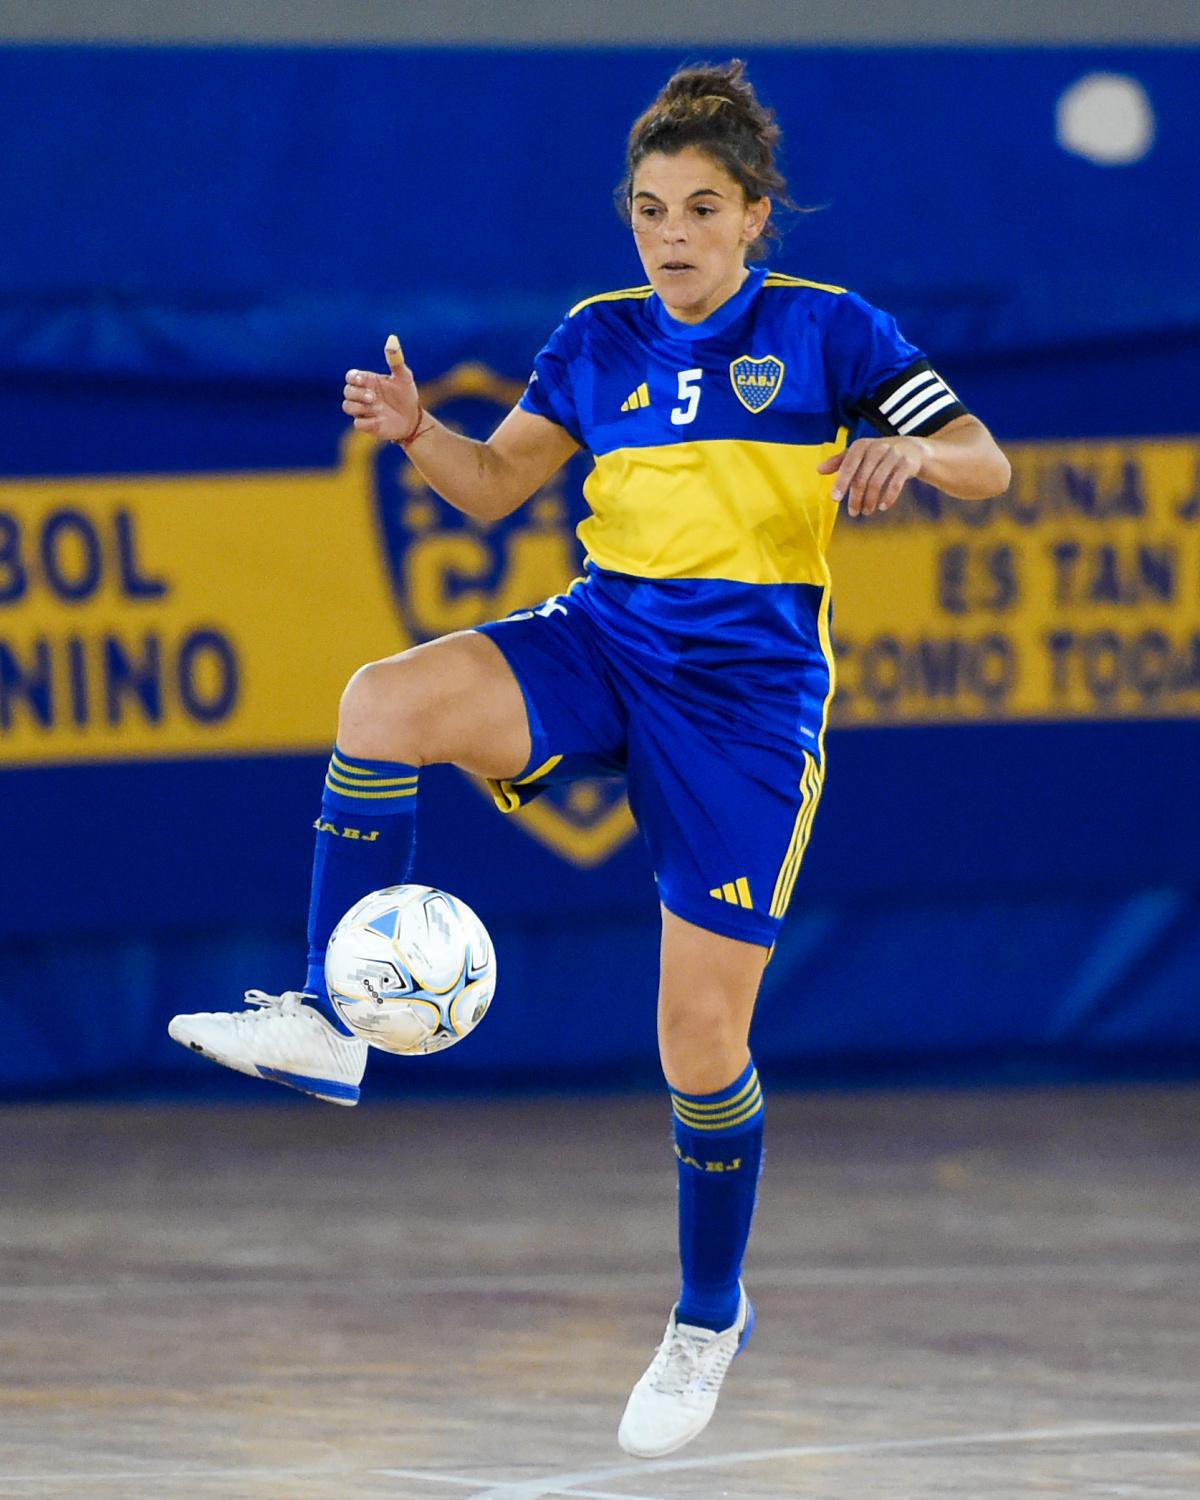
point(486, 480)
point(491, 479)
point(963, 459)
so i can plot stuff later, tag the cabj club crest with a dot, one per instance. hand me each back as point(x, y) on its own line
point(756, 382)
point(449, 572)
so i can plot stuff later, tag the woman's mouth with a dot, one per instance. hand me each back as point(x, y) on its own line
point(675, 266)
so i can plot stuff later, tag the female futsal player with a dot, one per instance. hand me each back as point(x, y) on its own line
point(694, 656)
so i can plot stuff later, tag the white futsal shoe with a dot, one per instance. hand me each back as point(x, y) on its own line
point(673, 1401)
point(282, 1039)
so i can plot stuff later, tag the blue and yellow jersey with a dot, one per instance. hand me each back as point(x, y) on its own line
point(708, 519)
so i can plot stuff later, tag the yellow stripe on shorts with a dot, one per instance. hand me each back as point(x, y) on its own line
point(810, 787)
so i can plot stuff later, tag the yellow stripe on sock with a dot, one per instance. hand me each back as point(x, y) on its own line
point(705, 1106)
point(731, 1124)
point(718, 1122)
point(345, 791)
point(372, 783)
point(345, 785)
point(718, 1106)
point(344, 765)
point(738, 1116)
point(344, 768)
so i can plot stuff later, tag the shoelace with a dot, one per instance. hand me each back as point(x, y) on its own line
point(287, 1004)
point(680, 1362)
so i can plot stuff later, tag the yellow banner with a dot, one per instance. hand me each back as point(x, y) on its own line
point(223, 613)
point(175, 616)
point(1076, 595)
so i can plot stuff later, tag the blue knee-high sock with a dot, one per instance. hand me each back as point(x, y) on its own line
point(365, 837)
point(718, 1143)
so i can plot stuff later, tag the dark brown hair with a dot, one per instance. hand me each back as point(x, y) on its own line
point(716, 110)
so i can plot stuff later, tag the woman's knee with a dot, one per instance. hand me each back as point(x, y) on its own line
point(378, 716)
point(706, 999)
point(702, 1042)
point(452, 700)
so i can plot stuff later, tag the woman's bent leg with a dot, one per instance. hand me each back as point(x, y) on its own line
point(454, 700)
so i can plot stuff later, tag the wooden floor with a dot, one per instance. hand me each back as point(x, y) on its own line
point(966, 1296)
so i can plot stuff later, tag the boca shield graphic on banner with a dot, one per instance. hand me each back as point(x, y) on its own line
point(450, 572)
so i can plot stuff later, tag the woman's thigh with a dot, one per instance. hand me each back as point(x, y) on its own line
point(453, 700)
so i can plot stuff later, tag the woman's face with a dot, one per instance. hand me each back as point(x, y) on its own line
point(692, 226)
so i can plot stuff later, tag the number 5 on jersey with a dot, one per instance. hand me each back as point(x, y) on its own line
point(689, 395)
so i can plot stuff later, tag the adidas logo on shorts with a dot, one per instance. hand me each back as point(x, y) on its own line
point(736, 892)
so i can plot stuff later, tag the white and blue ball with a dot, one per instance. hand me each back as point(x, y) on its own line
point(411, 969)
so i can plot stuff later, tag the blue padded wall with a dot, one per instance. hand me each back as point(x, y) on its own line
point(194, 251)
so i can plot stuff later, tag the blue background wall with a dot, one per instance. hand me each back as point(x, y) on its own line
point(197, 243)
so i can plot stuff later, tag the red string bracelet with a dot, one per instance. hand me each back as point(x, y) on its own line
point(417, 430)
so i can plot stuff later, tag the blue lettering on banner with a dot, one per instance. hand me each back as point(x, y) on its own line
point(51, 680)
point(72, 555)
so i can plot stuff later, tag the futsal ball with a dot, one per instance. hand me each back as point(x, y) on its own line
point(411, 969)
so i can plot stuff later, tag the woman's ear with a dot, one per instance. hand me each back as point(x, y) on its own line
point(757, 214)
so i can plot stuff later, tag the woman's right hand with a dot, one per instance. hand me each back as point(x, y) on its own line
point(386, 405)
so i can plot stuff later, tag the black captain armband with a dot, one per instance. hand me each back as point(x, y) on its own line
point(915, 403)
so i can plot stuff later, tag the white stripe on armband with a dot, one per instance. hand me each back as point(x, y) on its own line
point(926, 412)
point(906, 389)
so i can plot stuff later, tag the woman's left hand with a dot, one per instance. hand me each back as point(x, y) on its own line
point(872, 471)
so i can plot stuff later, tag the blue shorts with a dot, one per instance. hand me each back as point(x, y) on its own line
point(723, 766)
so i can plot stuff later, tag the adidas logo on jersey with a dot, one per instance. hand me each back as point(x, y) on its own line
point(637, 399)
point(736, 892)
